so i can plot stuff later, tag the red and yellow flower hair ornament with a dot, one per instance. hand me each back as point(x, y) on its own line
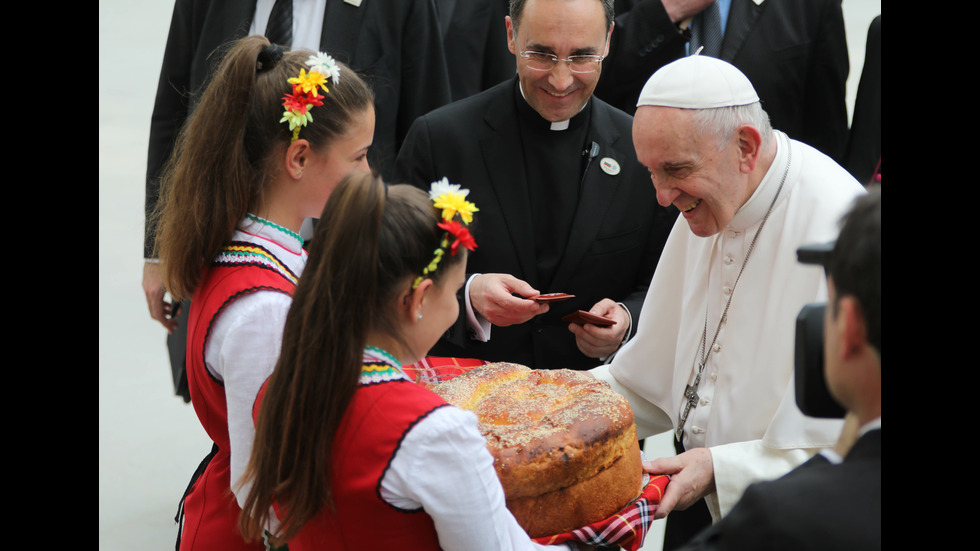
point(451, 200)
point(306, 88)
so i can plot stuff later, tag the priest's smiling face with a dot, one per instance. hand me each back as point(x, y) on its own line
point(563, 28)
point(689, 171)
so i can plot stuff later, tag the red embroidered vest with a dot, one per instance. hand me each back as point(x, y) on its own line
point(384, 408)
point(210, 510)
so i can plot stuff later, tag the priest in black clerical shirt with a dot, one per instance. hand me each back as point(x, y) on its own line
point(564, 205)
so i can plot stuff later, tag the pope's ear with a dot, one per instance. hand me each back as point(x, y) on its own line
point(749, 147)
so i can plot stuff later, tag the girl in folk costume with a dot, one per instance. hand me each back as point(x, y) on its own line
point(272, 136)
point(350, 453)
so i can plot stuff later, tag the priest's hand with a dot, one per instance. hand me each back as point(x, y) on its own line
point(692, 476)
point(154, 291)
point(599, 342)
point(492, 296)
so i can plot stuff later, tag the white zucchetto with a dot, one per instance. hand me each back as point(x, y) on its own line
point(698, 82)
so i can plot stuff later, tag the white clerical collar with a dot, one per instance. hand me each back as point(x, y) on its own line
point(752, 212)
point(559, 125)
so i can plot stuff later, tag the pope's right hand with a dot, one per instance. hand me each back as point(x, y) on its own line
point(492, 296)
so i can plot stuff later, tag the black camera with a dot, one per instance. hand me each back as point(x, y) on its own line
point(812, 395)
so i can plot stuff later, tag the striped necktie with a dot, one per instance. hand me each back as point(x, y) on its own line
point(706, 31)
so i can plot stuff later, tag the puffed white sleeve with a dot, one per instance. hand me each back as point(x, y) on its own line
point(443, 466)
point(242, 352)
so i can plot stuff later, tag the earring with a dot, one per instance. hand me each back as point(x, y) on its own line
point(299, 173)
point(419, 318)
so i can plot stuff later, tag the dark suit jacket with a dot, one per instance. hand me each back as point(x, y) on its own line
point(617, 233)
point(394, 44)
point(818, 505)
point(475, 38)
point(793, 51)
point(863, 158)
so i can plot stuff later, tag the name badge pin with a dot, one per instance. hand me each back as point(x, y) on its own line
point(609, 166)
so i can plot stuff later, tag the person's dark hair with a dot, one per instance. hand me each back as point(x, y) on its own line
point(223, 156)
point(855, 262)
point(517, 10)
point(368, 248)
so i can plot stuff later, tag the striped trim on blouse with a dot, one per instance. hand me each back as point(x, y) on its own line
point(379, 366)
point(238, 253)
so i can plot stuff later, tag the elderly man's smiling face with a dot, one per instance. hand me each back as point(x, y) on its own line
point(563, 28)
point(688, 171)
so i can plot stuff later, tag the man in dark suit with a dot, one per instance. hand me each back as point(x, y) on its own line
point(793, 51)
point(395, 45)
point(829, 502)
point(863, 156)
point(564, 204)
point(475, 43)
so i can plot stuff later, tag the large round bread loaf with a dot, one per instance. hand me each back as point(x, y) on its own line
point(564, 443)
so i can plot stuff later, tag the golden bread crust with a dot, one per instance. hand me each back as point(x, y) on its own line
point(564, 443)
point(584, 503)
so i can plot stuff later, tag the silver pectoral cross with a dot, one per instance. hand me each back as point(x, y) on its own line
point(691, 393)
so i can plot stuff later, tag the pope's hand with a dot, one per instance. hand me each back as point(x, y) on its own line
point(492, 296)
point(599, 342)
point(692, 476)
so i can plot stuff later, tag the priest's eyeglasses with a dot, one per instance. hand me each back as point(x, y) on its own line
point(582, 64)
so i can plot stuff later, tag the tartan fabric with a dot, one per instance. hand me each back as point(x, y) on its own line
point(627, 528)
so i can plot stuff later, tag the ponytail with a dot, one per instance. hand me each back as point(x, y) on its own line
point(371, 243)
point(224, 154)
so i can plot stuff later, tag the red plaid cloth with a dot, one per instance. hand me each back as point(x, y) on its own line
point(627, 528)
point(432, 370)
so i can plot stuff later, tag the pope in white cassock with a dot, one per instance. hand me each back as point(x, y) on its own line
point(713, 358)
